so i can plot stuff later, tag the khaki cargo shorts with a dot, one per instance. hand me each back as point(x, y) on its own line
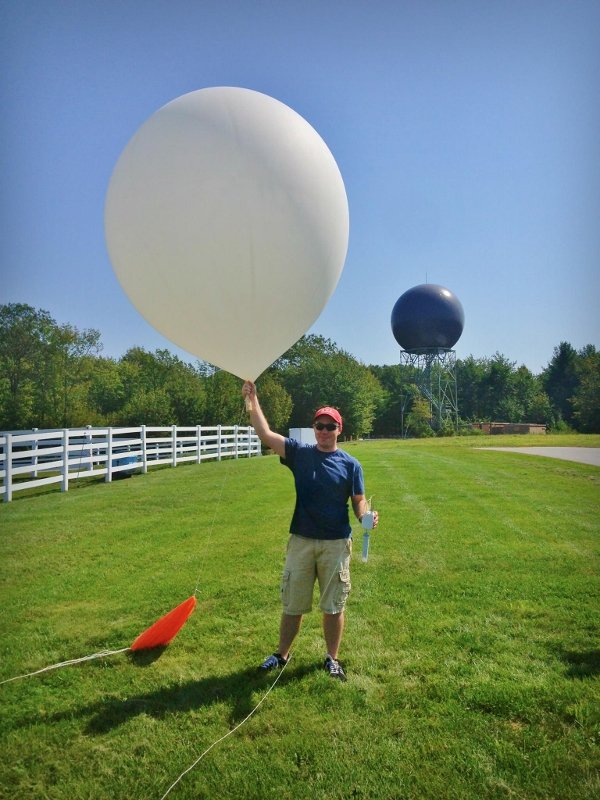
point(307, 560)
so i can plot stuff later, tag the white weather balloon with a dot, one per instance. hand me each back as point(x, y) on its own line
point(226, 223)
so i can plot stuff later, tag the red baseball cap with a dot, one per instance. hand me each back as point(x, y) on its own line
point(330, 412)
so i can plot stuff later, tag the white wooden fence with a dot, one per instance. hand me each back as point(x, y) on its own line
point(36, 458)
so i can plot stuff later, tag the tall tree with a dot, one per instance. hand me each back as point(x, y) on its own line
point(418, 419)
point(470, 375)
point(498, 396)
point(164, 373)
point(275, 402)
point(63, 382)
point(107, 390)
point(24, 338)
point(561, 379)
point(146, 407)
point(388, 414)
point(224, 404)
point(315, 373)
point(586, 400)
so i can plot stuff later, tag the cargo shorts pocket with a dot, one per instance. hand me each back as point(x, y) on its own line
point(285, 587)
point(342, 589)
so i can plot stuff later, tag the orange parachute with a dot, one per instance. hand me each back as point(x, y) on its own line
point(166, 628)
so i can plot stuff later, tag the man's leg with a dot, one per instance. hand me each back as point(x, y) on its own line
point(334, 582)
point(333, 628)
point(288, 630)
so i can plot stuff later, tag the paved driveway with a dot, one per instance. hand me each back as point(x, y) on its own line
point(585, 455)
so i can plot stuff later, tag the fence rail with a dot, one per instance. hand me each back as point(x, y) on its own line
point(29, 459)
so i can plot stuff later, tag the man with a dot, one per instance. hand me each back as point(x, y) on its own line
point(320, 543)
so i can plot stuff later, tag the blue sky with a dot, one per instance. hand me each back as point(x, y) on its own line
point(466, 131)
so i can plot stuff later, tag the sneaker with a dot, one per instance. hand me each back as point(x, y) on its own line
point(334, 668)
point(273, 662)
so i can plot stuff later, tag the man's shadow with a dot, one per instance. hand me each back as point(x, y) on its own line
point(242, 690)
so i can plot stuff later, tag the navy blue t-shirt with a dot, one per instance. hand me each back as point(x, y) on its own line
point(324, 484)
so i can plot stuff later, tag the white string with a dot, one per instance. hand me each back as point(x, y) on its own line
point(229, 733)
point(101, 654)
point(261, 701)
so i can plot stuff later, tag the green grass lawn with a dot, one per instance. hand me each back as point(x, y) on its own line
point(472, 643)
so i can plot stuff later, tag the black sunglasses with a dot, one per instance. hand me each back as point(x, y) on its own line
point(328, 426)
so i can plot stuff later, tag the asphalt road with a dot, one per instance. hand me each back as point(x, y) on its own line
point(585, 455)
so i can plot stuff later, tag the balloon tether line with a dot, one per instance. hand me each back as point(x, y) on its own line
point(229, 733)
point(257, 706)
point(68, 663)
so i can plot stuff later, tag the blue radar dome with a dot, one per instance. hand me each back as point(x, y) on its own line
point(427, 316)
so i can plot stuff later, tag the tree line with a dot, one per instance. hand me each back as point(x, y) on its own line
point(54, 376)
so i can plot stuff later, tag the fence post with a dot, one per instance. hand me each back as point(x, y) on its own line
point(65, 467)
point(218, 442)
point(90, 441)
point(8, 469)
point(144, 450)
point(174, 446)
point(109, 464)
point(34, 459)
point(198, 443)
